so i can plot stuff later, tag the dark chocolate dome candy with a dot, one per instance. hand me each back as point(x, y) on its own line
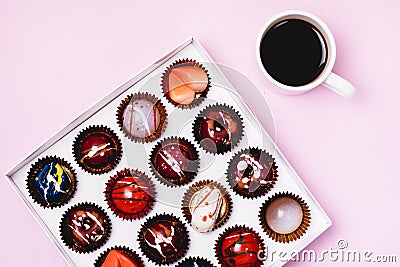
point(163, 239)
point(174, 161)
point(252, 172)
point(218, 129)
point(85, 227)
point(51, 182)
point(97, 149)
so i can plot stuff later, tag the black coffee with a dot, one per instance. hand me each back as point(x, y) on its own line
point(293, 52)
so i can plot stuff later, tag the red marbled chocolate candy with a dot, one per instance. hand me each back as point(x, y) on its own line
point(130, 194)
point(239, 246)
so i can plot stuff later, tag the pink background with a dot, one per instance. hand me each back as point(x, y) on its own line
point(57, 58)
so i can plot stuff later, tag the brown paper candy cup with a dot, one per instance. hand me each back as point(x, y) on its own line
point(200, 262)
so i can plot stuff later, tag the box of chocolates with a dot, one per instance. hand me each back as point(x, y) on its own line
point(170, 169)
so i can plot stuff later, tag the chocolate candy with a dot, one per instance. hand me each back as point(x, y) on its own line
point(185, 83)
point(206, 205)
point(252, 172)
point(130, 194)
point(97, 149)
point(51, 182)
point(174, 161)
point(239, 246)
point(285, 217)
point(85, 227)
point(218, 129)
point(141, 117)
point(163, 239)
point(119, 256)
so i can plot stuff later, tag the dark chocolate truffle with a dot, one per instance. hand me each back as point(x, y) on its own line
point(239, 246)
point(163, 239)
point(130, 194)
point(51, 182)
point(218, 129)
point(195, 262)
point(119, 256)
point(97, 149)
point(206, 205)
point(285, 217)
point(85, 227)
point(174, 161)
point(185, 83)
point(141, 117)
point(252, 172)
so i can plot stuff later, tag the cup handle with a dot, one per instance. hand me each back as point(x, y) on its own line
point(340, 86)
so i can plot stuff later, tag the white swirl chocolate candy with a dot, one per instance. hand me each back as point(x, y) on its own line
point(205, 206)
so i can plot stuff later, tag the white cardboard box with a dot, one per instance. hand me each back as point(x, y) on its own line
point(91, 187)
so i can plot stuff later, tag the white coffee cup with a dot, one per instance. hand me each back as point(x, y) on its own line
point(327, 78)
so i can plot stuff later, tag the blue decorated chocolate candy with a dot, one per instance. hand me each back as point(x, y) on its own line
point(51, 182)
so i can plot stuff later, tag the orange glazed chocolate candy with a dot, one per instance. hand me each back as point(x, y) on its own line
point(191, 77)
point(185, 83)
point(182, 95)
point(118, 259)
point(119, 256)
